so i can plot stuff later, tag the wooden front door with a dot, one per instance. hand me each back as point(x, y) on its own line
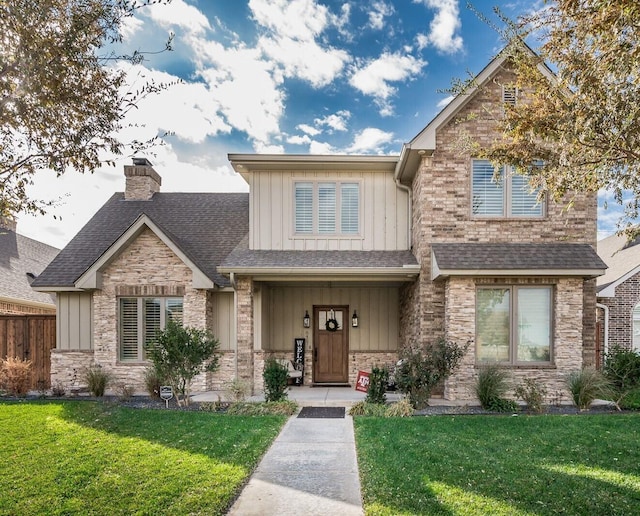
point(330, 348)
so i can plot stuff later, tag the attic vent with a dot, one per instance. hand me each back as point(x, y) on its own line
point(509, 95)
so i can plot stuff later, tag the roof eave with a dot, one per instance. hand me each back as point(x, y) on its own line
point(437, 273)
point(404, 273)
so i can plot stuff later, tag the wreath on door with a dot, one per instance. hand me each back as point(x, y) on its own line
point(332, 325)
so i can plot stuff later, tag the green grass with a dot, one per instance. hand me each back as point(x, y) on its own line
point(471, 465)
point(97, 458)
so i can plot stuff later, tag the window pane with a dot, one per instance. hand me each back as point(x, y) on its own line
point(151, 319)
point(636, 328)
point(304, 207)
point(129, 329)
point(492, 325)
point(488, 193)
point(327, 208)
point(523, 200)
point(174, 309)
point(534, 324)
point(349, 208)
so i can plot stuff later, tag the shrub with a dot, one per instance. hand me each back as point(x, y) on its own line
point(96, 379)
point(179, 353)
point(401, 408)
point(587, 385)
point(236, 389)
point(533, 394)
point(421, 369)
point(125, 392)
point(58, 389)
point(363, 408)
point(275, 377)
point(631, 400)
point(491, 386)
point(153, 381)
point(281, 408)
point(622, 369)
point(377, 385)
point(15, 375)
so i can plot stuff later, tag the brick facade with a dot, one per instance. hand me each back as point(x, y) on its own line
point(621, 312)
point(7, 308)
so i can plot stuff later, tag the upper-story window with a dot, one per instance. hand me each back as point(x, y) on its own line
point(505, 194)
point(327, 208)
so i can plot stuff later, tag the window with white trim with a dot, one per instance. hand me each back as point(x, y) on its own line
point(139, 319)
point(514, 324)
point(327, 208)
point(636, 328)
point(502, 193)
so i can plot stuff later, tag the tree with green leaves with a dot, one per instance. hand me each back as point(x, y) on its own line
point(180, 353)
point(61, 103)
point(582, 128)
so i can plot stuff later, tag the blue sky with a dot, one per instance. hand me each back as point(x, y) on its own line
point(273, 76)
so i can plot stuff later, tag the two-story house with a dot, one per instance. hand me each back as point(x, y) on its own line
point(357, 255)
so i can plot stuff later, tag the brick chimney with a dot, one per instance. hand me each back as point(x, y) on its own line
point(8, 223)
point(142, 180)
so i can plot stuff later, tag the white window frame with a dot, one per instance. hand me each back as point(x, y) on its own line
point(505, 176)
point(513, 326)
point(140, 323)
point(316, 229)
point(635, 328)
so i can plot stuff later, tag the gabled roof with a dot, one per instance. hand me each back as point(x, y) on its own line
point(478, 259)
point(623, 259)
point(22, 259)
point(202, 228)
point(331, 265)
point(425, 141)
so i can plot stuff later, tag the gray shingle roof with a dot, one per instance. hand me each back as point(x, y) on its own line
point(621, 256)
point(506, 256)
point(204, 226)
point(20, 256)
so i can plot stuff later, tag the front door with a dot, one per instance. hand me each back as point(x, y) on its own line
point(330, 344)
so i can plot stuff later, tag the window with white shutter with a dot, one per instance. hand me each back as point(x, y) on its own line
point(349, 208)
point(327, 208)
point(304, 207)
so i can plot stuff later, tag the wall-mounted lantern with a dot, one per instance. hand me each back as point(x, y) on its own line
point(354, 319)
point(306, 320)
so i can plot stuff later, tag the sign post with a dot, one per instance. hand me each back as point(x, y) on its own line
point(166, 393)
point(362, 381)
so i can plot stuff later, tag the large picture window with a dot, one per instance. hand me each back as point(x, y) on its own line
point(140, 318)
point(327, 208)
point(505, 194)
point(514, 324)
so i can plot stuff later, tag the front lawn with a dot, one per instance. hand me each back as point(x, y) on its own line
point(471, 465)
point(98, 458)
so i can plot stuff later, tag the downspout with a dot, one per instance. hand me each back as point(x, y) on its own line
point(606, 326)
point(232, 279)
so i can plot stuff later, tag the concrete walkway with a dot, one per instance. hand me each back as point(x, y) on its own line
point(311, 469)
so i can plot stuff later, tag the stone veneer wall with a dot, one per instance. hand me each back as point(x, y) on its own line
point(621, 312)
point(245, 328)
point(567, 335)
point(442, 214)
point(67, 368)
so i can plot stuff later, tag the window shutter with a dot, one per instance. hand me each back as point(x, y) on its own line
point(349, 208)
point(523, 199)
point(326, 208)
point(129, 329)
point(304, 208)
point(174, 310)
point(488, 193)
point(151, 319)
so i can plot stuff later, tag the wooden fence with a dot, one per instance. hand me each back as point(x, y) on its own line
point(30, 337)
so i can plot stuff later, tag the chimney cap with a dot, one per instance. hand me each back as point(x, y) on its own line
point(142, 162)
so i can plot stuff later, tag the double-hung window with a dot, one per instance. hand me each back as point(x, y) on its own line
point(327, 208)
point(502, 194)
point(514, 324)
point(140, 318)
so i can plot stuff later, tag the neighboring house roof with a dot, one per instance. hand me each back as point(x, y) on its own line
point(203, 228)
point(21, 260)
point(477, 259)
point(623, 259)
point(326, 263)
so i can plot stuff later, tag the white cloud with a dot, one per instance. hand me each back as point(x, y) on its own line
point(178, 14)
point(379, 10)
point(321, 148)
point(337, 121)
point(311, 131)
point(445, 102)
point(130, 26)
point(299, 140)
point(444, 27)
point(373, 79)
point(370, 140)
point(296, 19)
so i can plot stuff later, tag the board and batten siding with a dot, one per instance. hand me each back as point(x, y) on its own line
point(224, 328)
point(383, 213)
point(74, 321)
point(283, 309)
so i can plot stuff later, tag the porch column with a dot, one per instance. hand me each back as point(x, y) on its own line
point(245, 328)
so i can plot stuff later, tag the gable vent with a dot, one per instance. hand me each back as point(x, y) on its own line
point(509, 95)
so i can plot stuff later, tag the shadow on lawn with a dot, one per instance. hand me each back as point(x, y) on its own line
point(532, 465)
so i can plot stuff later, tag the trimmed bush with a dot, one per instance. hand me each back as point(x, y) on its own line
point(15, 375)
point(587, 385)
point(275, 377)
point(491, 386)
point(377, 385)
